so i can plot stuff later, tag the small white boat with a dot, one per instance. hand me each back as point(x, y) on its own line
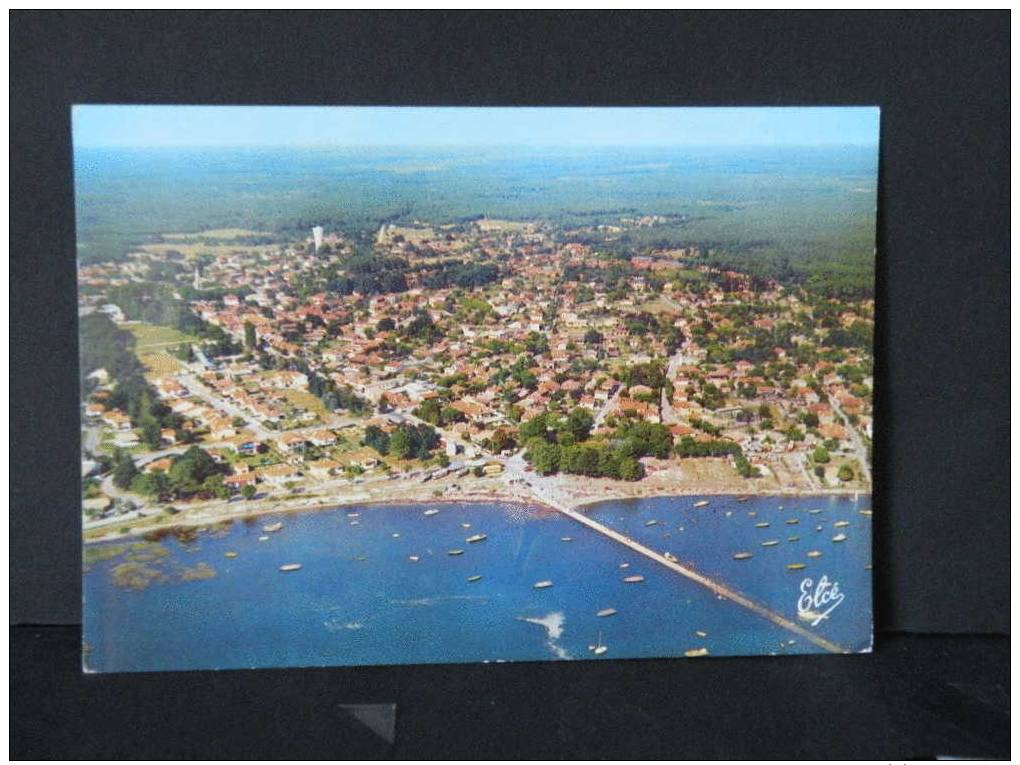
point(770, 543)
point(414, 558)
point(353, 515)
point(395, 535)
point(864, 512)
point(815, 511)
point(792, 521)
point(355, 523)
point(839, 538)
point(742, 555)
point(477, 538)
point(670, 557)
point(634, 579)
point(696, 652)
point(465, 525)
point(841, 524)
point(432, 511)
point(566, 539)
point(793, 539)
point(598, 649)
point(762, 525)
point(743, 499)
point(814, 553)
point(606, 612)
point(455, 552)
point(543, 584)
point(702, 503)
point(290, 567)
point(701, 633)
point(271, 527)
point(624, 565)
point(796, 566)
point(263, 538)
point(474, 577)
point(652, 522)
point(230, 554)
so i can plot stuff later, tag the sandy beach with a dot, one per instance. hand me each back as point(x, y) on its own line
point(557, 491)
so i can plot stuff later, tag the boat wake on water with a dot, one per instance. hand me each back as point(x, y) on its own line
point(434, 601)
point(554, 627)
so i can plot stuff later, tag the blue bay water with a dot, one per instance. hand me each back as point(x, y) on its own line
point(359, 599)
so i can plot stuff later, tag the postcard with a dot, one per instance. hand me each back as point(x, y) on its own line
point(427, 385)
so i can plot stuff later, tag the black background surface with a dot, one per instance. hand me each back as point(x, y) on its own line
point(941, 493)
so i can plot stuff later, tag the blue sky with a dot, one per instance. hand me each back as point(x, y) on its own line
point(154, 126)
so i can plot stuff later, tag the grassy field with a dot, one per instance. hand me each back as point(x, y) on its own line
point(306, 400)
point(160, 364)
point(151, 337)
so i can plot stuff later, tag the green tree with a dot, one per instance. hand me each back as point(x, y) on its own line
point(545, 458)
point(631, 470)
point(846, 473)
point(250, 336)
point(401, 444)
point(821, 455)
point(124, 471)
point(248, 491)
point(579, 423)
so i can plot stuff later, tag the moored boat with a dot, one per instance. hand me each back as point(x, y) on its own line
point(455, 552)
point(770, 543)
point(670, 557)
point(693, 653)
point(290, 567)
point(474, 577)
point(634, 579)
point(702, 503)
point(839, 538)
point(230, 554)
point(542, 584)
point(477, 538)
point(432, 511)
point(814, 554)
point(606, 612)
point(841, 524)
point(742, 555)
point(796, 566)
point(271, 527)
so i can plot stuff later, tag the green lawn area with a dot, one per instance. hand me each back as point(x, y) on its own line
point(306, 400)
point(152, 337)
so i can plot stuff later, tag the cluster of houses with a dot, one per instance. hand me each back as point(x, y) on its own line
point(574, 336)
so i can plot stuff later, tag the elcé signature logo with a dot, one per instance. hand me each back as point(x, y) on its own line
point(816, 597)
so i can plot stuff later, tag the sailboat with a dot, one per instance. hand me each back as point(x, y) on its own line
point(598, 649)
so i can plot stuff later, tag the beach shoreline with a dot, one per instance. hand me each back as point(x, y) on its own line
point(559, 492)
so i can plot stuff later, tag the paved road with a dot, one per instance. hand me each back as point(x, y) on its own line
point(602, 413)
point(860, 449)
point(678, 359)
point(219, 402)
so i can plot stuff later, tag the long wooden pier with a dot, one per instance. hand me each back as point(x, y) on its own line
point(716, 587)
